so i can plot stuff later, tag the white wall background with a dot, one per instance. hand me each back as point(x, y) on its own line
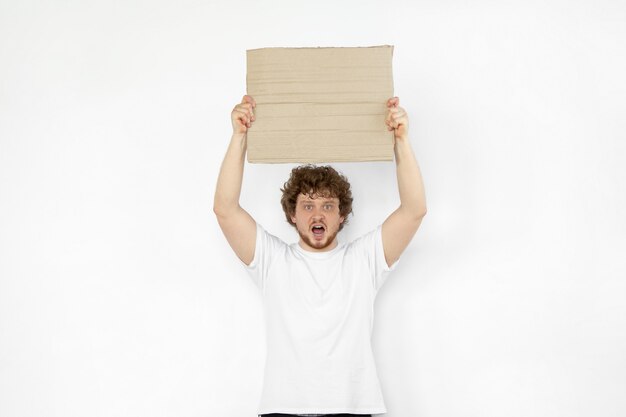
point(120, 297)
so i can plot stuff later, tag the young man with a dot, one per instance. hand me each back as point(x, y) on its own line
point(318, 296)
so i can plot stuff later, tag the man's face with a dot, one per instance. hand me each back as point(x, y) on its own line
point(317, 220)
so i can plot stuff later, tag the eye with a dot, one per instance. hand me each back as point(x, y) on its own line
point(307, 207)
point(328, 207)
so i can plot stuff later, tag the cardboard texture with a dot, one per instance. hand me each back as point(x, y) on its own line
point(320, 104)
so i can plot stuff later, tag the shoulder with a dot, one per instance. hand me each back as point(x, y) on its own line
point(367, 242)
point(267, 240)
point(368, 237)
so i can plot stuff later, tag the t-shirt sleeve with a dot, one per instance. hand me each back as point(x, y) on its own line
point(371, 245)
point(266, 248)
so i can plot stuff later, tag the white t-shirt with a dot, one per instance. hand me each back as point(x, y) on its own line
point(319, 313)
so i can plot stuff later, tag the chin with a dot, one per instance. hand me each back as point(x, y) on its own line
point(318, 245)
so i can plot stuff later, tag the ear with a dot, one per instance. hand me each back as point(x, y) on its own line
point(341, 219)
point(293, 219)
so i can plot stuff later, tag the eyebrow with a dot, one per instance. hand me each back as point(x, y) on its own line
point(312, 201)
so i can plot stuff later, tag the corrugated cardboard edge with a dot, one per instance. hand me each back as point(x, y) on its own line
point(321, 47)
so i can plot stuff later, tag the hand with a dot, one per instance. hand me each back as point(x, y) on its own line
point(242, 115)
point(397, 119)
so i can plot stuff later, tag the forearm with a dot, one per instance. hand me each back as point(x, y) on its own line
point(229, 181)
point(410, 184)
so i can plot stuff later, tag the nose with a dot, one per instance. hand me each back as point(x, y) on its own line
point(318, 214)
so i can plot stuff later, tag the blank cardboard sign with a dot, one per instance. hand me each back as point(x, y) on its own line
point(320, 104)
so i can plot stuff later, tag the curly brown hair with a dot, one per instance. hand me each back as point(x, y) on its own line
point(323, 181)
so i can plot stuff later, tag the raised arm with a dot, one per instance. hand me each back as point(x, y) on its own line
point(237, 225)
point(400, 227)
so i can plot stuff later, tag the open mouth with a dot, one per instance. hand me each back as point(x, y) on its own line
point(318, 230)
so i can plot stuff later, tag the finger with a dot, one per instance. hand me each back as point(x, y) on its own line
point(244, 108)
point(391, 123)
point(243, 121)
point(393, 102)
point(248, 99)
point(388, 119)
point(244, 117)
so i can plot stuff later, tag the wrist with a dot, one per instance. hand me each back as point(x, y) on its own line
point(238, 137)
point(401, 139)
point(239, 141)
